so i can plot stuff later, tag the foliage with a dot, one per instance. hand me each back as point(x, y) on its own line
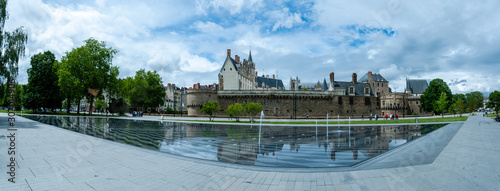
point(144, 90)
point(18, 94)
point(100, 104)
point(441, 104)
point(171, 111)
point(118, 106)
point(253, 109)
point(70, 86)
point(474, 100)
point(494, 102)
point(11, 44)
point(209, 108)
point(235, 111)
point(42, 90)
point(90, 66)
point(432, 94)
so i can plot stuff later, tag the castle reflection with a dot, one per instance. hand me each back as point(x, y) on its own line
point(280, 146)
point(289, 146)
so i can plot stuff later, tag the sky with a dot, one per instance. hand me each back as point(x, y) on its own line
point(186, 41)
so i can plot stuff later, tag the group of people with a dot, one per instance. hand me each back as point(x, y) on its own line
point(391, 116)
point(136, 113)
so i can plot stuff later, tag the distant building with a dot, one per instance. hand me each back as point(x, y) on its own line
point(175, 97)
point(352, 88)
point(378, 83)
point(266, 83)
point(237, 75)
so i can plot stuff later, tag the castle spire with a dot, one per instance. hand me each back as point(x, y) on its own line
point(250, 55)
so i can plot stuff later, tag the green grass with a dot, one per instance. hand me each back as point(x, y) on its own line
point(333, 122)
point(56, 113)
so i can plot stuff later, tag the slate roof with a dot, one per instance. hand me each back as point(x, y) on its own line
point(359, 88)
point(376, 77)
point(307, 85)
point(416, 86)
point(276, 83)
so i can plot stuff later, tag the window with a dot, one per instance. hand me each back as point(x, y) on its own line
point(351, 90)
point(367, 101)
point(378, 84)
point(382, 84)
point(340, 100)
point(383, 103)
point(310, 110)
point(224, 69)
point(367, 90)
point(230, 69)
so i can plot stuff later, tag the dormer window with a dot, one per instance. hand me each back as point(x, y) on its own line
point(351, 90)
point(367, 90)
point(230, 69)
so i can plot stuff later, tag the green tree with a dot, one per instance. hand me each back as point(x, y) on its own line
point(144, 90)
point(494, 102)
point(459, 105)
point(474, 100)
point(209, 108)
point(441, 104)
point(235, 110)
point(253, 109)
point(432, 94)
point(91, 66)
point(43, 90)
point(70, 87)
point(11, 44)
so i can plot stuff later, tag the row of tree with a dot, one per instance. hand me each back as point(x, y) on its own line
point(437, 98)
point(234, 111)
point(87, 72)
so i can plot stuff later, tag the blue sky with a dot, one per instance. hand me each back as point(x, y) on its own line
point(186, 41)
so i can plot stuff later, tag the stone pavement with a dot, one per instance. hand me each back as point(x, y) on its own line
point(51, 158)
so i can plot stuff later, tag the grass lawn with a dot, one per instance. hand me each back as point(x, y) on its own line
point(56, 113)
point(333, 122)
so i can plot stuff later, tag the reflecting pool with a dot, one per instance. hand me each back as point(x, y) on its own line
point(278, 146)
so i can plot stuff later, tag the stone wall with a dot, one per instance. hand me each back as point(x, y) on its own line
point(282, 104)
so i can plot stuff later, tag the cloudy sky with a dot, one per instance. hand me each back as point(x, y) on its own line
point(186, 41)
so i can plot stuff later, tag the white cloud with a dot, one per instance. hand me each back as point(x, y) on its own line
point(285, 19)
point(208, 27)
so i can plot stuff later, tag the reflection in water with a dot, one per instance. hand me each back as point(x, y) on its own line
point(280, 146)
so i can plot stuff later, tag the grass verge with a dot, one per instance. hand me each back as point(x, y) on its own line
point(333, 122)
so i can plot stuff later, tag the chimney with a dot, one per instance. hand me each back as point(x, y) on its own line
point(273, 76)
point(168, 84)
point(354, 78)
point(237, 58)
point(256, 74)
point(267, 76)
point(244, 61)
point(332, 77)
point(369, 74)
point(173, 85)
point(205, 86)
point(229, 52)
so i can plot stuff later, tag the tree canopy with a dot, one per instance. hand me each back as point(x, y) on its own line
point(494, 102)
point(209, 108)
point(43, 90)
point(236, 110)
point(253, 109)
point(144, 90)
point(474, 100)
point(11, 44)
point(90, 66)
point(432, 94)
point(441, 104)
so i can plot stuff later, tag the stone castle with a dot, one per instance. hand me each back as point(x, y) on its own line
point(238, 83)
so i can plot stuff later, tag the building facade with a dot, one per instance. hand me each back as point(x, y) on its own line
point(237, 75)
point(378, 83)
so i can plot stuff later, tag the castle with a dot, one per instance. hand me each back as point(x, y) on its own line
point(238, 83)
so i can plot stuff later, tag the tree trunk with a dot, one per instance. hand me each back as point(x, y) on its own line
point(78, 109)
point(68, 101)
point(91, 103)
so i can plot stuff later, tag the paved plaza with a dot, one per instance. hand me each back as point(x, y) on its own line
point(460, 156)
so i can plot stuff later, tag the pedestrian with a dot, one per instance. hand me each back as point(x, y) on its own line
point(370, 116)
point(376, 117)
point(362, 117)
point(386, 116)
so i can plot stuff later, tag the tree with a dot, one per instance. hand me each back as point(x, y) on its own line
point(11, 44)
point(474, 100)
point(43, 90)
point(441, 104)
point(494, 102)
point(209, 108)
point(236, 110)
point(70, 87)
point(144, 90)
point(253, 109)
point(432, 94)
point(91, 66)
point(459, 105)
